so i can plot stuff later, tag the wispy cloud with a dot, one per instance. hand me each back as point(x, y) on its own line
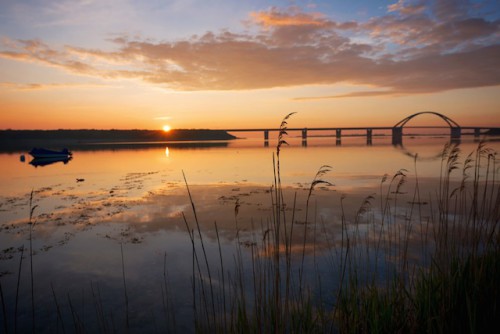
point(417, 47)
point(352, 94)
point(163, 118)
point(46, 86)
point(293, 16)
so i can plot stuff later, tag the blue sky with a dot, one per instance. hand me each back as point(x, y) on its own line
point(92, 21)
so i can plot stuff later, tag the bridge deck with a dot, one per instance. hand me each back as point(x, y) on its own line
point(357, 128)
point(396, 131)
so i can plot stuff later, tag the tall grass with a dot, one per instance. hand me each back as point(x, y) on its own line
point(31, 226)
point(396, 269)
point(458, 291)
point(270, 295)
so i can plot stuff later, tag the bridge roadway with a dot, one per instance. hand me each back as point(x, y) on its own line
point(397, 129)
point(397, 132)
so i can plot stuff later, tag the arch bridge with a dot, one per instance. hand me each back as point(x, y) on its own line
point(456, 131)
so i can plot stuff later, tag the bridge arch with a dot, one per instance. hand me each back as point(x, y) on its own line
point(448, 120)
point(397, 129)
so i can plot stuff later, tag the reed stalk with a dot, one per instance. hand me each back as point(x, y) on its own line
point(99, 308)
point(17, 288)
point(4, 311)
point(202, 248)
point(58, 309)
point(167, 302)
point(222, 273)
point(127, 318)
point(78, 322)
point(31, 225)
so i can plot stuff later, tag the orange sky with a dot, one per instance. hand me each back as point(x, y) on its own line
point(369, 65)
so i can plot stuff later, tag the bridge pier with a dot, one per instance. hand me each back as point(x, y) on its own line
point(369, 136)
point(397, 136)
point(304, 137)
point(456, 132)
point(338, 136)
point(304, 134)
point(266, 135)
point(477, 132)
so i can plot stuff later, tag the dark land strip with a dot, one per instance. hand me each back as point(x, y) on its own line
point(20, 140)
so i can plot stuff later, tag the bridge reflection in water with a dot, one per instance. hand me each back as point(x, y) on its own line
point(456, 131)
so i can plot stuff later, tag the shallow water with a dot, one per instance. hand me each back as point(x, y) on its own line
point(133, 200)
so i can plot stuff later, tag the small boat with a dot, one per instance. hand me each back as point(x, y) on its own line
point(43, 153)
point(49, 161)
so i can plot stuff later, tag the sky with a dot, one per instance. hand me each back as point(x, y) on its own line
point(130, 64)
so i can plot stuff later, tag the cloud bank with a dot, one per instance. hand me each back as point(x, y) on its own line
point(416, 47)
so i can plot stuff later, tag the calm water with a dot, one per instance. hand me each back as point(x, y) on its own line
point(132, 198)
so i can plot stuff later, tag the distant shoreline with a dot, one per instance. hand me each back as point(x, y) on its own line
point(19, 140)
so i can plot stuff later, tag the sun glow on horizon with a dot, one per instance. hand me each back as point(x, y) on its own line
point(167, 128)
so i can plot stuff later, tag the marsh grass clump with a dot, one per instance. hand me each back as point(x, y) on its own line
point(458, 291)
point(462, 299)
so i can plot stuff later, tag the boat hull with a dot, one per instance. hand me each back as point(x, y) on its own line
point(49, 161)
point(42, 153)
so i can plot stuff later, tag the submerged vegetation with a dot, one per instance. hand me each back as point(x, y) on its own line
point(407, 261)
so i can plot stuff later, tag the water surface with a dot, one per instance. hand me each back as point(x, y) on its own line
point(132, 201)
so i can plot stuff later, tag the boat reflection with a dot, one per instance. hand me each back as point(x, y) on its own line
point(48, 161)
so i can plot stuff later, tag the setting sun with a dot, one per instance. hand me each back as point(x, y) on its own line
point(166, 128)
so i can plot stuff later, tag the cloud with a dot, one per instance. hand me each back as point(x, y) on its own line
point(442, 24)
point(45, 86)
point(405, 8)
point(39, 52)
point(163, 118)
point(352, 94)
point(293, 16)
point(413, 49)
